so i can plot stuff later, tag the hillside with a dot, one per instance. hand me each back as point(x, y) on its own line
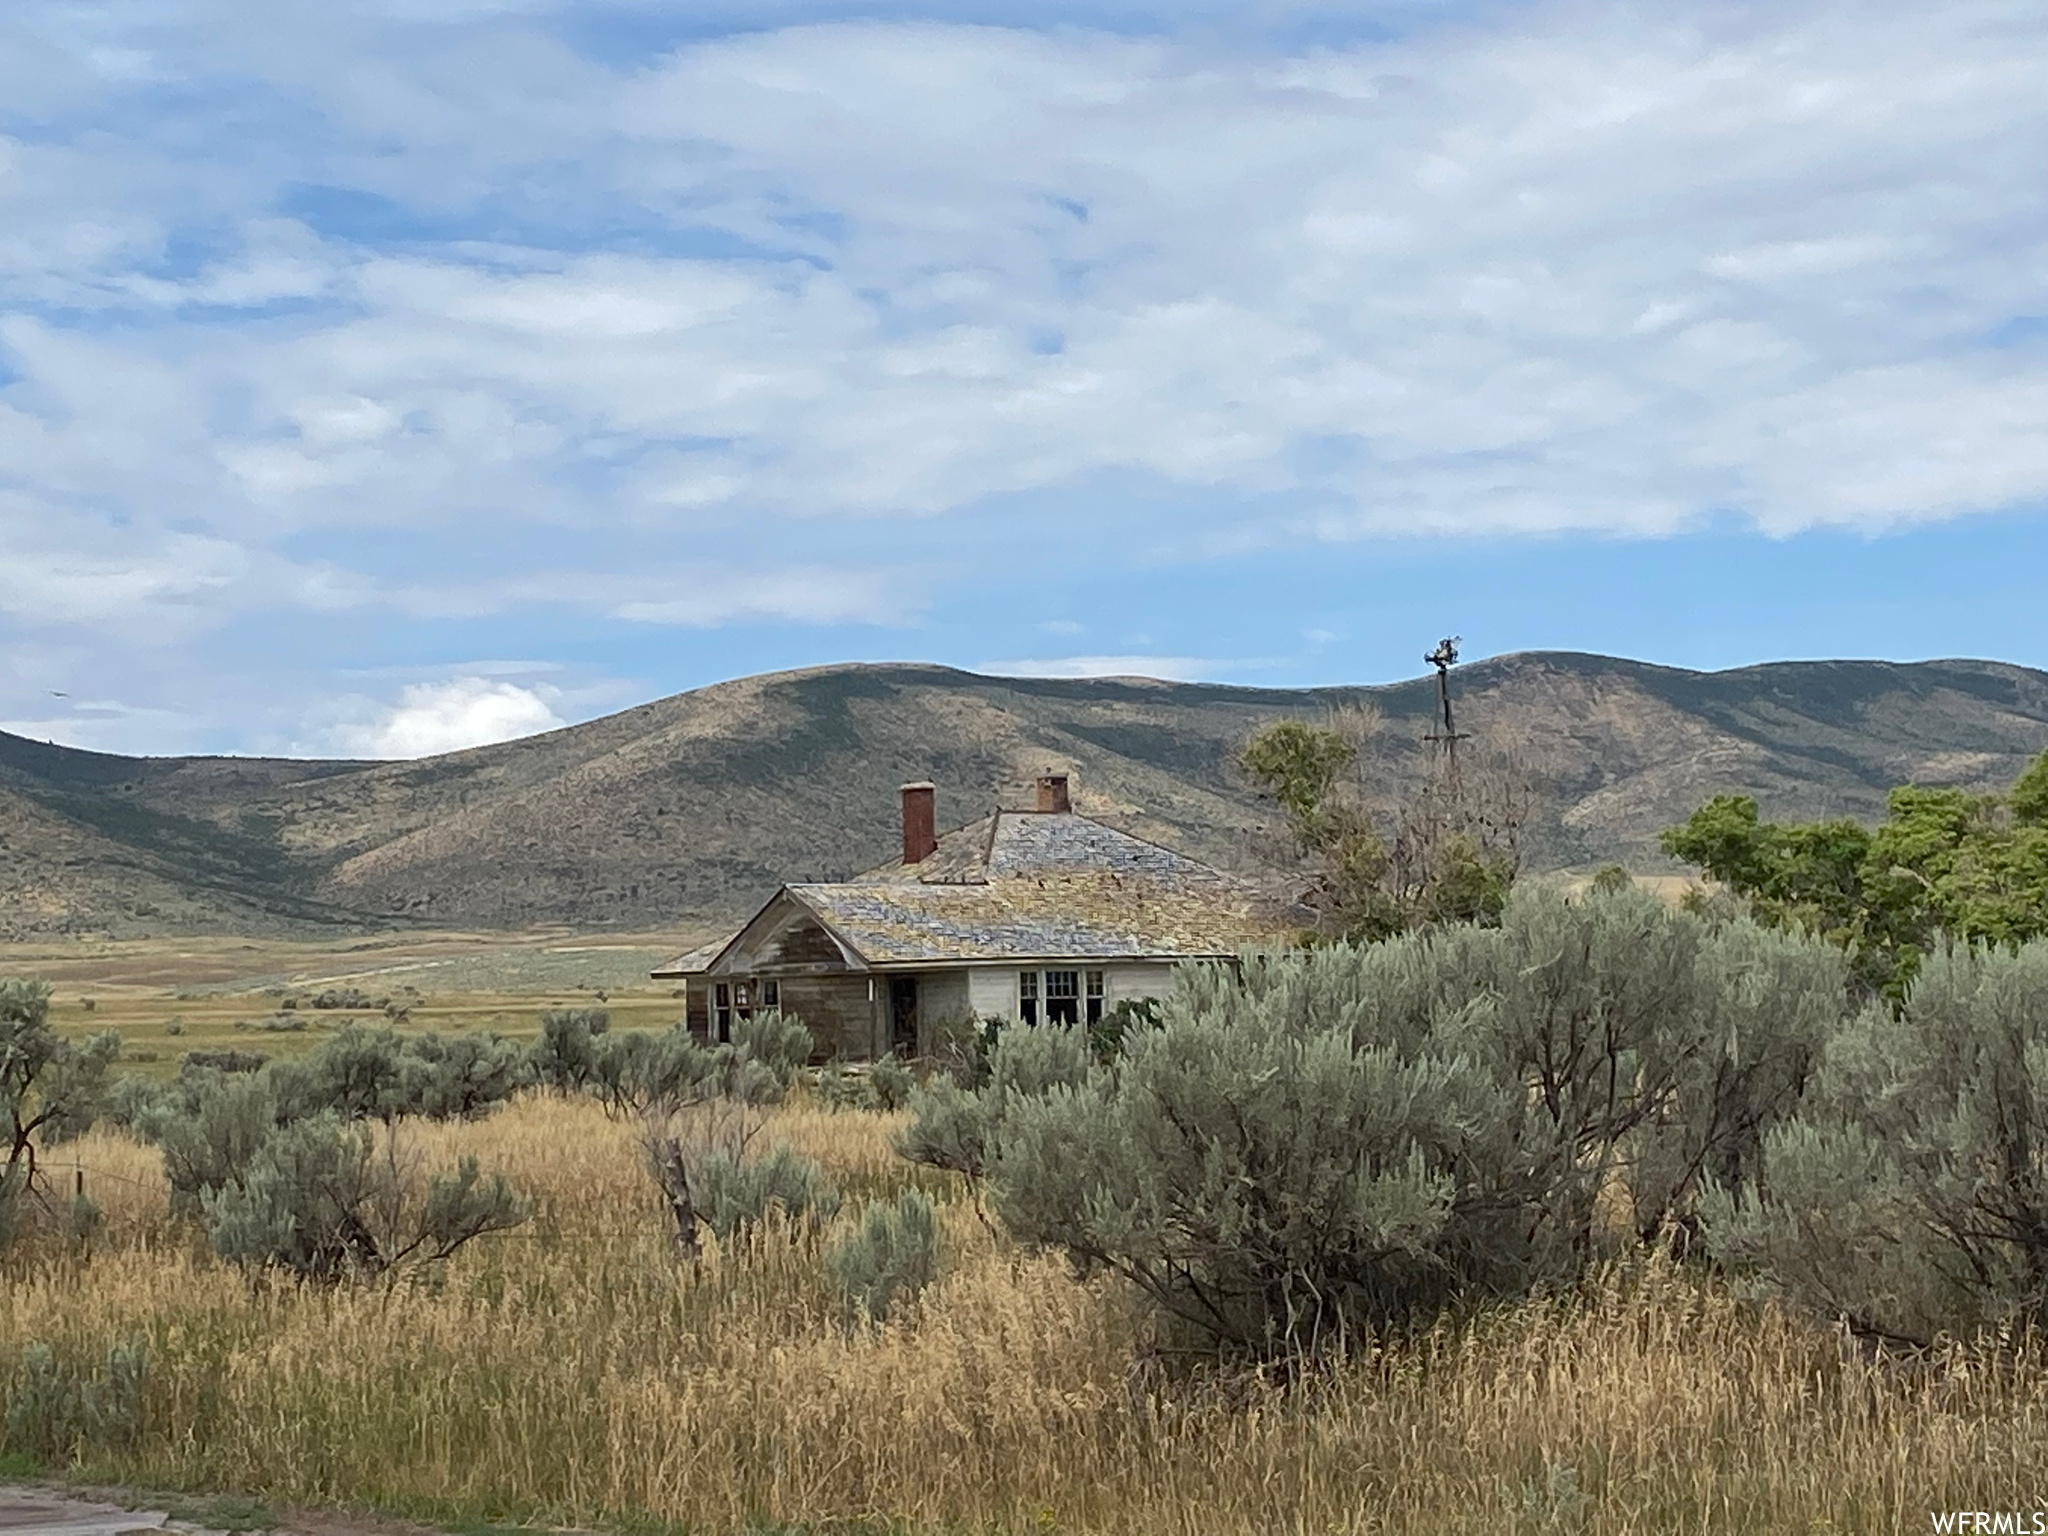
point(683, 811)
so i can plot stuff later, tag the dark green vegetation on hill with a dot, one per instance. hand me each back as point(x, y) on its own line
point(685, 810)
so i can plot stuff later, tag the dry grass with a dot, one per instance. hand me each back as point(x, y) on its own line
point(576, 1373)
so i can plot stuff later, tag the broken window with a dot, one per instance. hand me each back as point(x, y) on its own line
point(731, 1000)
point(1027, 996)
point(1094, 997)
point(1062, 997)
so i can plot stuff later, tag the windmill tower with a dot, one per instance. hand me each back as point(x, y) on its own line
point(1443, 740)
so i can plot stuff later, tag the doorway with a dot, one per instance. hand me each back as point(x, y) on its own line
point(903, 1015)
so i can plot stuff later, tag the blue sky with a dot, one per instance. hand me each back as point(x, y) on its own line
point(383, 377)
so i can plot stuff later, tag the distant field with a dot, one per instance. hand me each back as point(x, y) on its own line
point(170, 996)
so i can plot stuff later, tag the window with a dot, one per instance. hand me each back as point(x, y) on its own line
point(732, 1000)
point(1062, 997)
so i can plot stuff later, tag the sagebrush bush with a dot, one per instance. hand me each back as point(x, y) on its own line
point(1318, 1143)
point(710, 1177)
point(779, 1041)
point(459, 1077)
point(321, 1199)
point(565, 1055)
point(890, 1083)
point(889, 1258)
point(1908, 1196)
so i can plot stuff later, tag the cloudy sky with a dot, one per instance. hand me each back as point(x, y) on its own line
point(382, 376)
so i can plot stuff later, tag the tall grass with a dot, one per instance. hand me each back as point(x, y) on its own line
point(576, 1372)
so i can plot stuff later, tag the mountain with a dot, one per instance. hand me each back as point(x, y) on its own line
point(681, 812)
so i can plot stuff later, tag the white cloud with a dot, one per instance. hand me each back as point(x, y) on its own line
point(432, 718)
point(1544, 276)
point(798, 595)
point(457, 320)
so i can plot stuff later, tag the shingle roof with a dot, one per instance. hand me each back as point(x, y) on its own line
point(1089, 914)
point(690, 964)
point(1020, 885)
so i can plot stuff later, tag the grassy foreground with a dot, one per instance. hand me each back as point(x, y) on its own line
point(575, 1373)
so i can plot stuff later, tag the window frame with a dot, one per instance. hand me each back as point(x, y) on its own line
point(1036, 999)
point(736, 998)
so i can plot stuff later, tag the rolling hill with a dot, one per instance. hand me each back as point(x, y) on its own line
point(683, 811)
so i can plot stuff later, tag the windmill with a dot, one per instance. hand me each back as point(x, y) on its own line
point(1444, 740)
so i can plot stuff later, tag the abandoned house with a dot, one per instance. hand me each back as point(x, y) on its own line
point(1038, 916)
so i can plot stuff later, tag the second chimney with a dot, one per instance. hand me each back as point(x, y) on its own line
point(1052, 792)
point(920, 828)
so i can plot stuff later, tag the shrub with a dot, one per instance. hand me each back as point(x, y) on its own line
point(950, 1128)
point(1106, 1037)
point(345, 998)
point(1319, 1143)
point(360, 1074)
point(892, 1256)
point(1906, 1196)
point(890, 1083)
point(565, 1055)
point(953, 1124)
point(736, 1191)
point(639, 1072)
point(210, 1128)
point(461, 1077)
point(275, 1183)
point(56, 1405)
point(318, 1201)
point(778, 1041)
point(702, 1165)
point(838, 1088)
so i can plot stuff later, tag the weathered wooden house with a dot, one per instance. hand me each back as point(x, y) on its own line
point(1040, 916)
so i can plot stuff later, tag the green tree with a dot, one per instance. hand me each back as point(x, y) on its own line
point(1943, 862)
point(1299, 764)
point(1445, 856)
point(50, 1090)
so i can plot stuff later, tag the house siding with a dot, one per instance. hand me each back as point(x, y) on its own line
point(837, 1011)
point(992, 989)
point(1131, 983)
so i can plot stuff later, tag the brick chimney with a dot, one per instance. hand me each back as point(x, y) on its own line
point(1052, 792)
point(920, 828)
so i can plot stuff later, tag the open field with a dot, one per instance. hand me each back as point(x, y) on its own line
point(169, 996)
point(575, 1371)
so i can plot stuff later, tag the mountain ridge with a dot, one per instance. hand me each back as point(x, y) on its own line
point(682, 810)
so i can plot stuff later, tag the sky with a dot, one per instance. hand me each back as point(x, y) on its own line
point(382, 377)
